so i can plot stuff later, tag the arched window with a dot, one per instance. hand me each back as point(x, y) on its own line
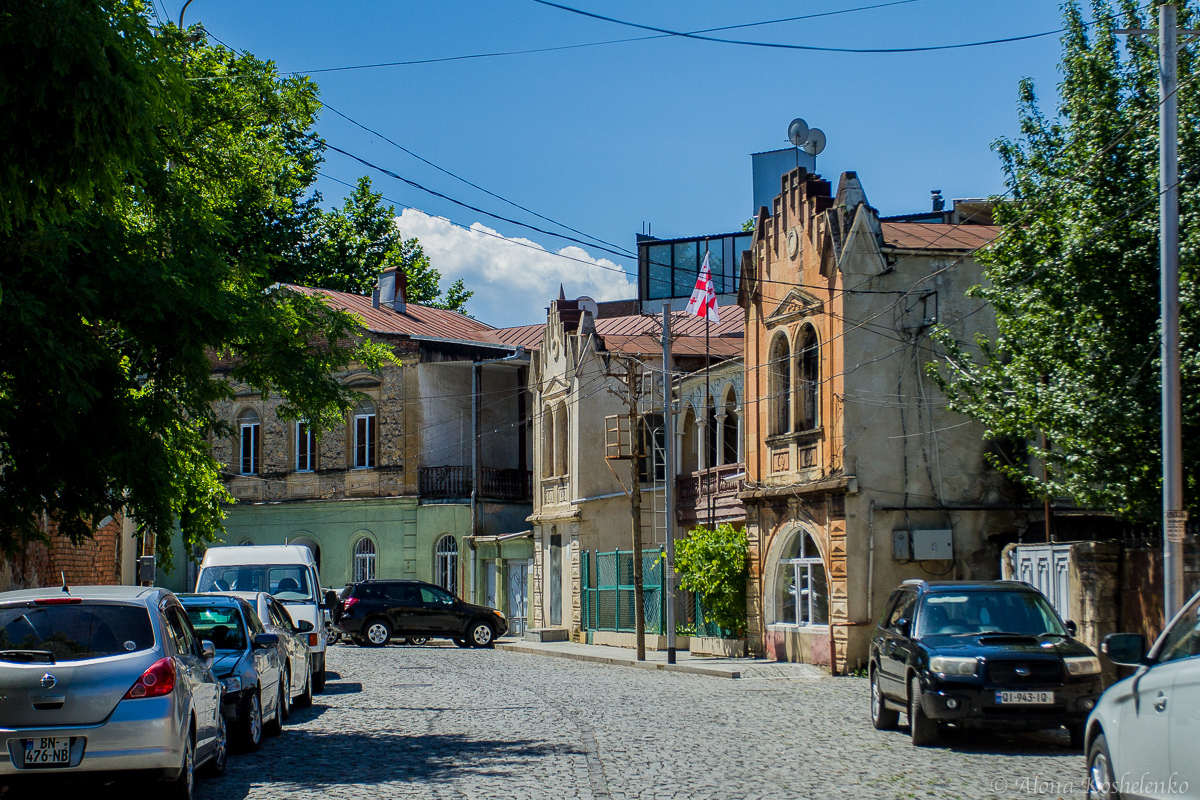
point(364, 560)
point(801, 588)
point(249, 439)
point(548, 442)
point(365, 435)
point(808, 369)
point(556, 576)
point(710, 435)
point(561, 460)
point(445, 567)
point(732, 433)
point(689, 458)
point(779, 384)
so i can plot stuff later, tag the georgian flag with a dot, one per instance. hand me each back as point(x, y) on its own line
point(704, 296)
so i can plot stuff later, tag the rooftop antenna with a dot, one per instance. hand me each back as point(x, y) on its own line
point(65, 589)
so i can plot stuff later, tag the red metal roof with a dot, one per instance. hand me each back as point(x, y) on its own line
point(416, 320)
point(640, 333)
point(935, 236)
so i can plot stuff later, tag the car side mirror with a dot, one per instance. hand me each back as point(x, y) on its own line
point(1072, 628)
point(304, 626)
point(1125, 649)
point(210, 651)
point(904, 626)
point(265, 641)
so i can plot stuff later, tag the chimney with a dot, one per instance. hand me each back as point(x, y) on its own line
point(392, 291)
point(938, 203)
point(400, 301)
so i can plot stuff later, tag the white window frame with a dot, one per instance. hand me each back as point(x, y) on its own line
point(364, 561)
point(802, 586)
point(253, 430)
point(305, 433)
point(446, 564)
point(367, 447)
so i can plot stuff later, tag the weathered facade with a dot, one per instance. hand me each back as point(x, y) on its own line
point(852, 458)
point(431, 462)
point(107, 559)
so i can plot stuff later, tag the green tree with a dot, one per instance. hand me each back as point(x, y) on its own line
point(1073, 278)
point(714, 563)
point(351, 245)
point(129, 274)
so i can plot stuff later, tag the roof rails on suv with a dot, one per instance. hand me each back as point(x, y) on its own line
point(914, 582)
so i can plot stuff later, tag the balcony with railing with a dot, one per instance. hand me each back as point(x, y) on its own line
point(718, 485)
point(455, 483)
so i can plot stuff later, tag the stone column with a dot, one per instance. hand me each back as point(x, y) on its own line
point(720, 438)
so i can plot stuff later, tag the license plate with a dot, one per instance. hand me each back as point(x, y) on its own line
point(1025, 698)
point(47, 752)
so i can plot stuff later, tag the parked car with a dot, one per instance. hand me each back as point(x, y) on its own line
point(1141, 738)
point(293, 648)
point(100, 680)
point(988, 654)
point(249, 662)
point(287, 572)
point(372, 612)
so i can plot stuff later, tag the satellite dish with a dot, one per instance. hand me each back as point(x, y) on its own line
point(798, 132)
point(815, 142)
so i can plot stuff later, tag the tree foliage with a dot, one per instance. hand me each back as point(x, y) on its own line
point(1073, 279)
point(155, 190)
point(351, 245)
point(714, 563)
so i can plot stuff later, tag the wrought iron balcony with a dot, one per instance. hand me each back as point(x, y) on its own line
point(454, 483)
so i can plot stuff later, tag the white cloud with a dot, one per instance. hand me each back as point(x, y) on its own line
point(514, 280)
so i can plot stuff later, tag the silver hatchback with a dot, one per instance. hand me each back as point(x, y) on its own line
point(106, 679)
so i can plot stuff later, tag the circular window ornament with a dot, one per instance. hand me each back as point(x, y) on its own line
point(793, 242)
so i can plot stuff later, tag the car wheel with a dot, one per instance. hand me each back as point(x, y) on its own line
point(923, 729)
point(215, 767)
point(181, 788)
point(882, 717)
point(418, 640)
point(285, 708)
point(462, 643)
point(250, 724)
point(305, 698)
point(318, 683)
point(275, 726)
point(1102, 785)
point(378, 633)
point(481, 635)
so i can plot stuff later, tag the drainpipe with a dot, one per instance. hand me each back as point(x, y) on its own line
point(870, 558)
point(476, 456)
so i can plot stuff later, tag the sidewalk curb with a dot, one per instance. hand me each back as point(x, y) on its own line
point(621, 662)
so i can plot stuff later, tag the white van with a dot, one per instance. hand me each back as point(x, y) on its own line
point(286, 571)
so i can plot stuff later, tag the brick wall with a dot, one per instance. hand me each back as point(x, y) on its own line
point(95, 562)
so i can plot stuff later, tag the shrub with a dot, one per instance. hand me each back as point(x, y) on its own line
point(714, 564)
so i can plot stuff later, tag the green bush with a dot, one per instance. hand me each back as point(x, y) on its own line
point(714, 564)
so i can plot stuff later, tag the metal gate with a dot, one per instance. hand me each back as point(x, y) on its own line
point(1046, 567)
point(608, 590)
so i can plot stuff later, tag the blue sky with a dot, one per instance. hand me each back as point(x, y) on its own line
point(607, 138)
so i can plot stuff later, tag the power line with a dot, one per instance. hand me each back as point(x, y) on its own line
point(782, 46)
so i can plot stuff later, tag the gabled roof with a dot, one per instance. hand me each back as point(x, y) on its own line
point(640, 333)
point(435, 323)
point(937, 236)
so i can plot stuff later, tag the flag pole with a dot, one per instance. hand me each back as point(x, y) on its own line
point(709, 416)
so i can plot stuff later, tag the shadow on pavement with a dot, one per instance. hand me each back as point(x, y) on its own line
point(342, 688)
point(983, 742)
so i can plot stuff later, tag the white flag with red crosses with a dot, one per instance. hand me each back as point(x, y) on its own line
point(704, 296)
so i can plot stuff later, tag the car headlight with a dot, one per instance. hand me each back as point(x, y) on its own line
point(1082, 665)
point(947, 665)
point(233, 684)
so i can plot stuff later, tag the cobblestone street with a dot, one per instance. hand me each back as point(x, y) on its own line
point(450, 723)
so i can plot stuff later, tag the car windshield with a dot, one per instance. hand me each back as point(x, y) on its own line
point(73, 632)
point(974, 612)
point(284, 581)
point(220, 625)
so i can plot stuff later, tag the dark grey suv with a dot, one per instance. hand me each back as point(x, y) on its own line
point(372, 612)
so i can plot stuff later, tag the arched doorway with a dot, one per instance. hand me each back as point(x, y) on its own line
point(445, 564)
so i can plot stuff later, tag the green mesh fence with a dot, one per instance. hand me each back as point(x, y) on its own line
point(608, 590)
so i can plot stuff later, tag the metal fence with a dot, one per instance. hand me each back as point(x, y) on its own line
point(608, 596)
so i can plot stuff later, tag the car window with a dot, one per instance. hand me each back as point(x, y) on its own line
point(76, 632)
point(988, 611)
point(285, 581)
point(1182, 640)
point(369, 591)
point(181, 631)
point(431, 595)
point(252, 620)
point(903, 609)
point(404, 594)
point(886, 618)
point(282, 618)
point(221, 625)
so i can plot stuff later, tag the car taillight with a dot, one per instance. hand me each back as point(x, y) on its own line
point(312, 640)
point(155, 682)
point(58, 601)
point(348, 603)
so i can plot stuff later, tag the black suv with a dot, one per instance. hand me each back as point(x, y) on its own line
point(988, 654)
point(372, 612)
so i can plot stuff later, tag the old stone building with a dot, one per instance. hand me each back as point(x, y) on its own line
point(858, 477)
point(428, 477)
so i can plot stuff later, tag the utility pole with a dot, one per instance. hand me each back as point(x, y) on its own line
point(635, 496)
point(1174, 517)
point(669, 482)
